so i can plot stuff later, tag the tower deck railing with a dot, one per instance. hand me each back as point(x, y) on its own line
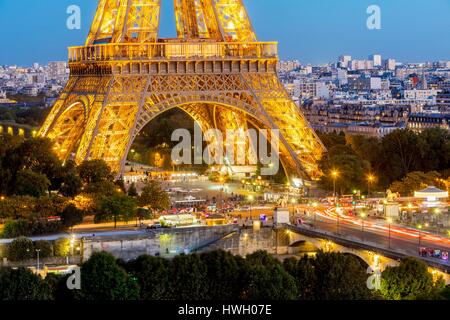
point(174, 50)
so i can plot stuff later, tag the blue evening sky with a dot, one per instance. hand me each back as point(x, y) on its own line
point(313, 31)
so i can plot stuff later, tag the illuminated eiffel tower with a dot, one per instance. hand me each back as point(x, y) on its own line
point(215, 70)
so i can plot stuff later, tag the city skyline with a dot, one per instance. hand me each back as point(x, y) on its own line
point(402, 36)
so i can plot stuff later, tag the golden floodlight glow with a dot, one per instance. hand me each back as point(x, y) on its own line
point(216, 71)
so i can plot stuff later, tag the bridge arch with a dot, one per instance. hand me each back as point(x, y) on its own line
point(370, 258)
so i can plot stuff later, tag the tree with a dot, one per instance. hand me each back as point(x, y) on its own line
point(61, 247)
point(400, 155)
point(20, 249)
point(268, 282)
point(102, 279)
point(93, 171)
point(352, 170)
point(16, 228)
point(71, 216)
point(224, 274)
point(154, 197)
point(407, 281)
point(22, 284)
point(29, 183)
point(153, 276)
point(132, 191)
point(117, 207)
point(340, 277)
point(188, 280)
point(415, 181)
point(35, 154)
point(304, 274)
point(101, 189)
point(434, 146)
point(71, 185)
point(45, 248)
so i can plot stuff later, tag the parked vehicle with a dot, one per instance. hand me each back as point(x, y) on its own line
point(433, 253)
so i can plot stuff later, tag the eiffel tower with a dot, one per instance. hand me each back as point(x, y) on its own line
point(215, 70)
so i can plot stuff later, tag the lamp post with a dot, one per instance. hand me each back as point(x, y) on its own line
point(38, 251)
point(363, 216)
point(221, 180)
point(389, 220)
point(315, 204)
point(419, 227)
point(334, 175)
point(72, 244)
point(293, 202)
point(370, 180)
point(250, 199)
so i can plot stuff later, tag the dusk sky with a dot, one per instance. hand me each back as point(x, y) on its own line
point(311, 31)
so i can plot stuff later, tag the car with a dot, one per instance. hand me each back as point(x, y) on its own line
point(156, 225)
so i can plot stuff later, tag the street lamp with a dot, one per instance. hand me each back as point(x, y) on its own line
point(37, 251)
point(222, 181)
point(293, 201)
point(250, 199)
point(315, 205)
point(420, 235)
point(363, 216)
point(389, 220)
point(72, 244)
point(370, 180)
point(334, 175)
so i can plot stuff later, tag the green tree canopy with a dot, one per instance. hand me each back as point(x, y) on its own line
point(224, 272)
point(352, 169)
point(71, 216)
point(415, 181)
point(93, 171)
point(154, 197)
point(119, 207)
point(408, 281)
point(269, 282)
point(45, 248)
point(71, 183)
point(20, 249)
point(102, 279)
point(21, 285)
point(29, 183)
point(340, 277)
point(188, 278)
point(305, 276)
point(153, 276)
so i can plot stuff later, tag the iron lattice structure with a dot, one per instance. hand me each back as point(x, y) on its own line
point(215, 70)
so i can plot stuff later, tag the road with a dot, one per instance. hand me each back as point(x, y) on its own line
point(375, 231)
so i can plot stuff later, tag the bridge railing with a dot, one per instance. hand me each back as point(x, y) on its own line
point(352, 241)
point(173, 50)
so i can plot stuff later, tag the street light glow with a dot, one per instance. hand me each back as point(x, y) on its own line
point(335, 173)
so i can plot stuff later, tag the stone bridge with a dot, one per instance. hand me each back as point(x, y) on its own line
point(283, 241)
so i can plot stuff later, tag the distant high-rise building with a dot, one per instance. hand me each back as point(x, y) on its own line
point(57, 69)
point(376, 59)
point(287, 66)
point(344, 61)
point(390, 64)
point(361, 65)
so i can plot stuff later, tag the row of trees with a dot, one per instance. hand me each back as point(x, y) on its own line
point(25, 249)
point(390, 159)
point(219, 275)
point(37, 187)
